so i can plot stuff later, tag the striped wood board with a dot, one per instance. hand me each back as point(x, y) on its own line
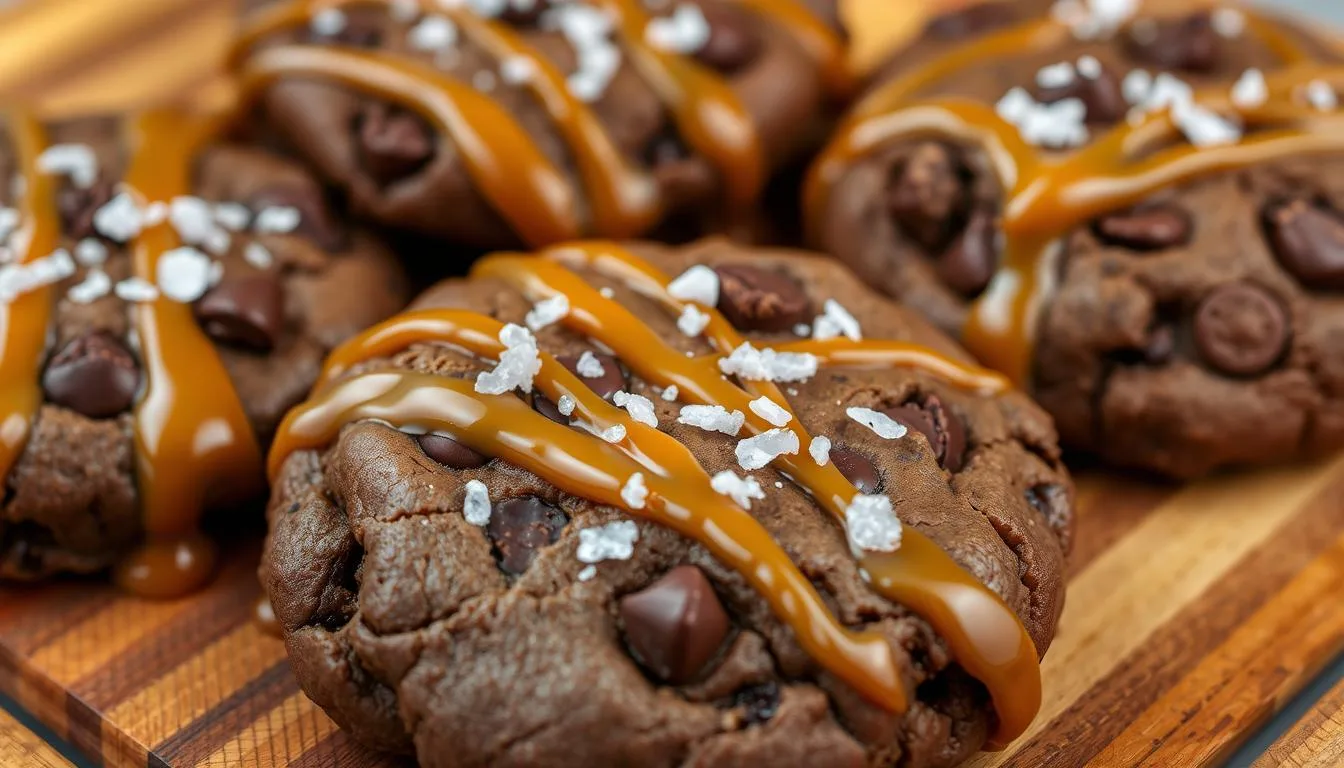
point(1193, 614)
point(21, 747)
point(1316, 741)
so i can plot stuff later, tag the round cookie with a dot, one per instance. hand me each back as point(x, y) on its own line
point(489, 126)
point(543, 577)
point(1164, 284)
point(163, 308)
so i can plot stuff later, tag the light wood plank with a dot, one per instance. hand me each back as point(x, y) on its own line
point(21, 747)
point(1316, 741)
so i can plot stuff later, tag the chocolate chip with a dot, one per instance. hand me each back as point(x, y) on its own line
point(926, 196)
point(755, 299)
point(315, 219)
point(525, 13)
point(758, 704)
point(1189, 42)
point(94, 375)
point(1150, 228)
point(943, 429)
point(76, 206)
point(246, 310)
point(450, 453)
point(392, 142)
point(1052, 501)
point(675, 626)
point(1241, 330)
point(1308, 241)
point(1101, 95)
point(857, 469)
point(609, 383)
point(682, 178)
point(972, 20)
point(734, 39)
point(520, 527)
point(969, 262)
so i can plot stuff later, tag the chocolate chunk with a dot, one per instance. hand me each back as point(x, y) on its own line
point(244, 310)
point(1240, 329)
point(972, 20)
point(926, 196)
point(1150, 228)
point(681, 177)
point(969, 262)
point(520, 527)
point(525, 13)
point(392, 142)
point(675, 626)
point(315, 219)
point(94, 375)
point(609, 383)
point(1189, 43)
point(943, 429)
point(857, 469)
point(1052, 501)
point(1101, 95)
point(450, 453)
point(758, 703)
point(755, 299)
point(1308, 241)
point(76, 206)
point(734, 40)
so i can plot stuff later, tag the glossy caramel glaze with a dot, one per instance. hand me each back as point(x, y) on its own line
point(1048, 194)
point(510, 170)
point(983, 633)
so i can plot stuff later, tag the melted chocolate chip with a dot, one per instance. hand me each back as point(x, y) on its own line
point(926, 196)
point(758, 704)
point(1188, 43)
point(857, 469)
point(969, 262)
point(1308, 240)
point(609, 383)
point(1101, 95)
point(974, 19)
point(520, 527)
point(245, 311)
point(943, 429)
point(675, 626)
point(1241, 330)
point(1150, 228)
point(734, 39)
point(315, 219)
point(392, 142)
point(450, 453)
point(76, 206)
point(755, 299)
point(94, 375)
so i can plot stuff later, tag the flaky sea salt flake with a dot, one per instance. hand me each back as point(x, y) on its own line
point(820, 449)
point(712, 418)
point(834, 322)
point(95, 285)
point(639, 407)
point(692, 321)
point(476, 503)
point(871, 524)
point(77, 161)
point(771, 411)
point(518, 364)
point(756, 452)
point(613, 541)
point(753, 364)
point(547, 312)
point(880, 423)
point(589, 366)
point(740, 489)
point(634, 492)
point(699, 284)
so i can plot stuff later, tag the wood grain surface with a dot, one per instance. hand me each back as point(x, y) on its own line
point(21, 747)
point(1192, 614)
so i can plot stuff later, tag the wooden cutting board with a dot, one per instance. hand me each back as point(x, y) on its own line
point(1193, 613)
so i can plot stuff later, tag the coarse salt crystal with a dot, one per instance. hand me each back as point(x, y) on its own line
point(589, 367)
point(740, 489)
point(476, 503)
point(836, 321)
point(518, 364)
point(753, 364)
point(547, 312)
point(756, 452)
point(1136, 85)
point(771, 411)
point(606, 292)
point(613, 434)
point(118, 219)
point(883, 425)
point(587, 573)
point(136, 289)
point(820, 448)
point(328, 22)
point(613, 541)
point(276, 219)
point(1089, 67)
point(9, 221)
point(635, 492)
point(90, 252)
point(639, 407)
point(712, 418)
point(183, 274)
point(802, 329)
point(1204, 127)
point(699, 284)
point(670, 394)
point(1228, 22)
point(1250, 90)
point(871, 525)
point(1321, 95)
point(566, 405)
point(432, 33)
point(1056, 75)
point(232, 216)
point(692, 321)
point(685, 31)
point(258, 256)
point(95, 285)
point(193, 219)
point(74, 160)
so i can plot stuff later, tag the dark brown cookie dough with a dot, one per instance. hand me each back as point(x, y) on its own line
point(1181, 331)
point(398, 169)
point(495, 644)
point(274, 305)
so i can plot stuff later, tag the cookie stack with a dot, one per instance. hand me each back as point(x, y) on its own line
point(615, 494)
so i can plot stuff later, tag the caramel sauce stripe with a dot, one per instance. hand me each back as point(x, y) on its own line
point(983, 632)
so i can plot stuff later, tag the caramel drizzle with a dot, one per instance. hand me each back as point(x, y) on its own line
point(1049, 194)
point(983, 632)
point(511, 171)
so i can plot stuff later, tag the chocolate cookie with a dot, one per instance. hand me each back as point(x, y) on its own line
point(585, 508)
point(1168, 288)
point(497, 123)
point(162, 308)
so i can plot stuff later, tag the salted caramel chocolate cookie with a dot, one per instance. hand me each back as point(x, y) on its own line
point(494, 123)
point(163, 301)
point(642, 505)
point(1166, 280)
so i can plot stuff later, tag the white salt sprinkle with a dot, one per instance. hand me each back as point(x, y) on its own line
point(476, 503)
point(770, 411)
point(587, 573)
point(756, 452)
point(432, 33)
point(692, 321)
point(258, 256)
point(684, 31)
point(516, 70)
point(820, 448)
point(613, 541)
point(1250, 90)
point(639, 407)
point(613, 434)
point(517, 366)
point(119, 219)
point(1228, 22)
point(753, 364)
point(9, 221)
point(276, 219)
point(1321, 95)
point(836, 321)
point(90, 252)
point(547, 312)
point(871, 524)
point(589, 366)
point(232, 216)
point(136, 289)
point(1056, 75)
point(328, 22)
point(670, 394)
point(566, 405)
point(740, 489)
point(712, 418)
point(635, 492)
point(699, 284)
point(1089, 67)
point(74, 160)
point(95, 285)
point(883, 425)
point(183, 274)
